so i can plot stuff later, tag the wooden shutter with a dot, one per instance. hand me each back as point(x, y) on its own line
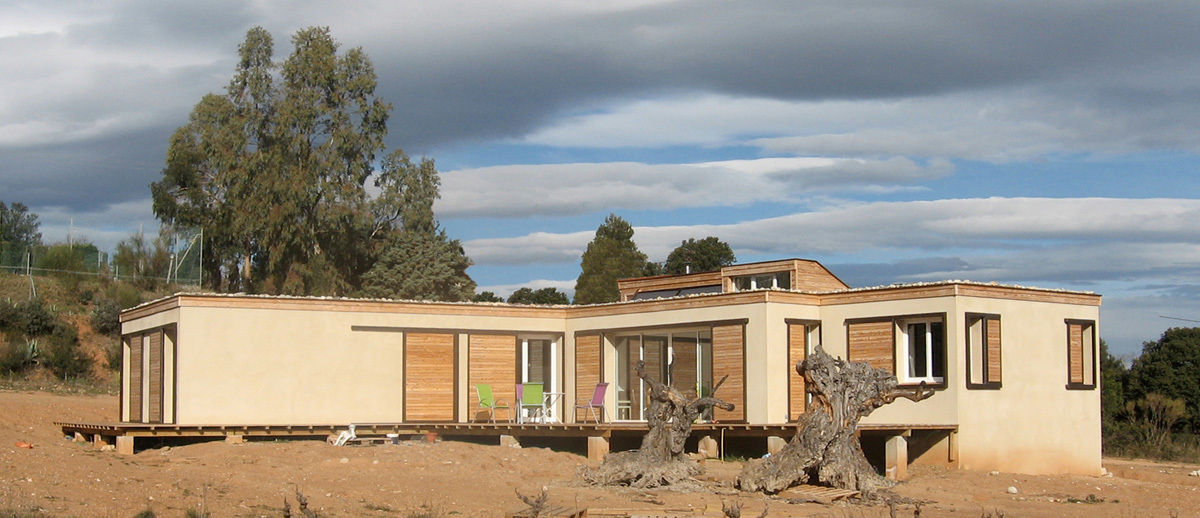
point(1075, 352)
point(135, 378)
point(492, 360)
point(155, 375)
point(683, 363)
point(429, 377)
point(729, 353)
point(797, 348)
point(587, 369)
point(992, 328)
point(873, 343)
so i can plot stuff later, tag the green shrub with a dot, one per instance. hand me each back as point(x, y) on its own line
point(86, 295)
point(126, 295)
point(106, 317)
point(9, 319)
point(61, 354)
point(112, 353)
point(15, 353)
point(35, 319)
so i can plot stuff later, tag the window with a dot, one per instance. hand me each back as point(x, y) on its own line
point(680, 358)
point(983, 351)
point(922, 351)
point(764, 281)
point(1081, 354)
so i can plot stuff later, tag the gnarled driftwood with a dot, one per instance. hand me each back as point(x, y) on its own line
point(825, 449)
point(661, 460)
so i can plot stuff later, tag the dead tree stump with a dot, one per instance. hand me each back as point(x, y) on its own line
point(825, 449)
point(661, 460)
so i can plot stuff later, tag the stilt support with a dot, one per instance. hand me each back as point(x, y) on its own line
point(125, 444)
point(896, 462)
point(510, 441)
point(708, 448)
point(235, 439)
point(597, 448)
point(775, 444)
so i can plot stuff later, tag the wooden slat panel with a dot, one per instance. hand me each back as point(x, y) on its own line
point(155, 373)
point(429, 377)
point(492, 360)
point(993, 350)
point(811, 276)
point(683, 363)
point(587, 368)
point(135, 378)
point(729, 359)
point(797, 348)
point(1075, 352)
point(873, 343)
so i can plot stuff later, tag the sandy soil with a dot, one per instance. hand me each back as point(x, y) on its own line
point(62, 478)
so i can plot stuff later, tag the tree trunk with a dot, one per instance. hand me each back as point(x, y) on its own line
point(661, 460)
point(825, 449)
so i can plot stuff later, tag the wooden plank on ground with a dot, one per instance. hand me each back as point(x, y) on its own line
point(819, 494)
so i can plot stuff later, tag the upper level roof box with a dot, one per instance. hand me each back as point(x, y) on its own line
point(787, 274)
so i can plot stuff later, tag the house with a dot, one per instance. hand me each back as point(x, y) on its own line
point(1014, 368)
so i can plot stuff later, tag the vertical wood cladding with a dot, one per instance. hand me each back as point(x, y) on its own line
point(155, 375)
point(429, 377)
point(491, 360)
point(993, 350)
point(873, 343)
point(729, 358)
point(1075, 352)
point(683, 364)
point(797, 348)
point(587, 368)
point(135, 378)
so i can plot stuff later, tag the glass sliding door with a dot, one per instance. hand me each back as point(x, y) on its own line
point(681, 359)
point(538, 359)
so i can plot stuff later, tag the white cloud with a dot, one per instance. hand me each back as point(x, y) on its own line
point(978, 226)
point(562, 189)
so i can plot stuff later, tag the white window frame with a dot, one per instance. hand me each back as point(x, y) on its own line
point(902, 350)
point(550, 384)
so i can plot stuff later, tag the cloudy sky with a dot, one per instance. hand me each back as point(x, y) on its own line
point(1042, 143)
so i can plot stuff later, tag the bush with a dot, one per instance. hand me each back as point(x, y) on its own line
point(61, 354)
point(34, 318)
point(112, 353)
point(9, 319)
point(106, 317)
point(126, 295)
point(15, 354)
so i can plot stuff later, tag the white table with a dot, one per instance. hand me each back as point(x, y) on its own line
point(549, 400)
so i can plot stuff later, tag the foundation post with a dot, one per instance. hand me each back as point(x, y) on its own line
point(597, 448)
point(708, 448)
point(896, 462)
point(510, 441)
point(235, 439)
point(775, 444)
point(79, 437)
point(952, 445)
point(125, 444)
point(100, 441)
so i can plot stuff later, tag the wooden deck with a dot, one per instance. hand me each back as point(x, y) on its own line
point(124, 434)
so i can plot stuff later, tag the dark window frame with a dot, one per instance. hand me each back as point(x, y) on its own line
point(1095, 361)
point(970, 320)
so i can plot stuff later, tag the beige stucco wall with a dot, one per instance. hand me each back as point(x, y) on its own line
point(1032, 424)
point(271, 366)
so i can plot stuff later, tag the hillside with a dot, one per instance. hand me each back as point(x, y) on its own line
point(64, 338)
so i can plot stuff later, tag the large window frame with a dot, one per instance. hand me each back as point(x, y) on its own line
point(763, 281)
point(928, 333)
point(978, 353)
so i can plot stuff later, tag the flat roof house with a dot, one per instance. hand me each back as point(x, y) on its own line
point(1014, 368)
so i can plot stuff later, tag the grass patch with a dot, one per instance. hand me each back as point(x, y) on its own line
point(74, 386)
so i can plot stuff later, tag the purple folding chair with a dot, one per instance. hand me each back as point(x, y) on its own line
point(596, 402)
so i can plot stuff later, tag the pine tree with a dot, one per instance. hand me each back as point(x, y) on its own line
point(611, 255)
point(706, 255)
point(420, 266)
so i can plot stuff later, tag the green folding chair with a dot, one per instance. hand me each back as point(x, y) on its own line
point(486, 401)
point(531, 397)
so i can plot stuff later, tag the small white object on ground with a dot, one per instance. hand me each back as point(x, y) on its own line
point(1012, 490)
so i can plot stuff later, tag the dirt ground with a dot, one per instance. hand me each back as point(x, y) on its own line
point(58, 477)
